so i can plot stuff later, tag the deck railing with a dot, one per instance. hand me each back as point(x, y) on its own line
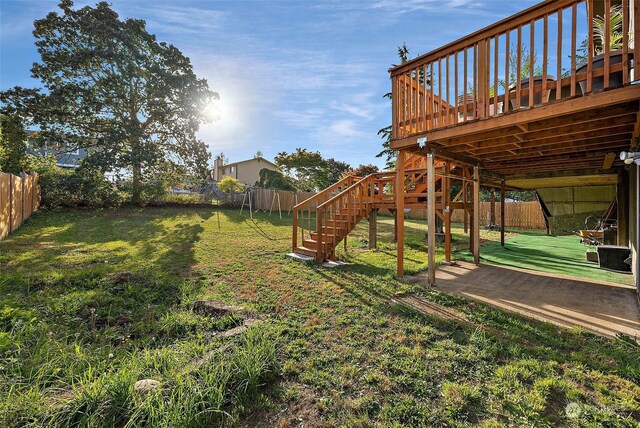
point(337, 216)
point(304, 213)
point(567, 48)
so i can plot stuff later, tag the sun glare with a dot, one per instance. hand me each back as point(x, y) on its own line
point(214, 110)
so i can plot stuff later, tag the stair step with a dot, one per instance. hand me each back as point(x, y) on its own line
point(313, 244)
point(344, 215)
point(306, 251)
point(329, 238)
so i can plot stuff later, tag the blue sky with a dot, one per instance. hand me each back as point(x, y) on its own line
point(290, 73)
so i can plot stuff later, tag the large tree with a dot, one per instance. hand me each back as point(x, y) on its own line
point(310, 170)
point(13, 145)
point(110, 87)
point(364, 170)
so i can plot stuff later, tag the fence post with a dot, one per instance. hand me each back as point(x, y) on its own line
point(23, 178)
point(10, 203)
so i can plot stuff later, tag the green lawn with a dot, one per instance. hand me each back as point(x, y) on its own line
point(563, 255)
point(91, 302)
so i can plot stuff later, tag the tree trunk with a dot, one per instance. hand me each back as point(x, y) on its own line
point(137, 183)
point(136, 169)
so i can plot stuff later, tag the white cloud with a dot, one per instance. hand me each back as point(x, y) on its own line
point(346, 128)
point(424, 5)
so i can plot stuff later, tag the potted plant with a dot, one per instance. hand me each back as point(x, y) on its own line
point(615, 49)
point(528, 61)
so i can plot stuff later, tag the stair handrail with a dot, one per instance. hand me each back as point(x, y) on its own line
point(329, 189)
point(351, 187)
point(322, 209)
point(350, 178)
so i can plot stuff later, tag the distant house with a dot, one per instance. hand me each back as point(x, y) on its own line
point(247, 171)
point(64, 158)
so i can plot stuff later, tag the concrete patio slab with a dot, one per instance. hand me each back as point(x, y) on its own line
point(300, 257)
point(604, 308)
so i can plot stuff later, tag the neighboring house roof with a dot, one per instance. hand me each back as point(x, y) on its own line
point(64, 158)
point(260, 159)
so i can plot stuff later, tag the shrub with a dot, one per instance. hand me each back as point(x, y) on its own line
point(80, 187)
point(229, 184)
point(270, 179)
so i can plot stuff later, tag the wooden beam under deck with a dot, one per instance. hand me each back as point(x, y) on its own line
point(560, 108)
point(555, 126)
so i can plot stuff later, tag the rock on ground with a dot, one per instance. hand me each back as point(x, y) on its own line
point(216, 307)
point(145, 385)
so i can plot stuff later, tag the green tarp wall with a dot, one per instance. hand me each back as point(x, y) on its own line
point(576, 200)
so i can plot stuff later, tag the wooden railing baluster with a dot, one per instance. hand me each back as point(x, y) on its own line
point(439, 121)
point(464, 86)
point(532, 59)
point(474, 102)
point(636, 37)
point(495, 74)
point(507, 71)
point(455, 90)
point(590, 45)
point(625, 41)
point(574, 19)
point(607, 41)
point(545, 55)
point(448, 120)
point(519, 66)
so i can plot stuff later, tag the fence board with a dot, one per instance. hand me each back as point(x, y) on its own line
point(521, 215)
point(37, 194)
point(27, 204)
point(5, 204)
point(19, 198)
point(16, 202)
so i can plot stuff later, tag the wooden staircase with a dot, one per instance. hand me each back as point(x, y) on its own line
point(321, 222)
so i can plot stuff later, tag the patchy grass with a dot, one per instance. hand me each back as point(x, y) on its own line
point(91, 302)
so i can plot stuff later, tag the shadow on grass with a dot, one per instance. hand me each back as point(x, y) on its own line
point(151, 241)
point(120, 270)
point(515, 336)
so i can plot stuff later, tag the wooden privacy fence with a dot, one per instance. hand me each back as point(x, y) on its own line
point(521, 215)
point(262, 199)
point(19, 198)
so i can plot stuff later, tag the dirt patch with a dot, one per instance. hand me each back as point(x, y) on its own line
point(427, 307)
point(232, 332)
point(246, 324)
point(216, 308)
point(301, 411)
point(125, 277)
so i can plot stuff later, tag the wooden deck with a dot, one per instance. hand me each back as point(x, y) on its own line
point(466, 115)
point(471, 100)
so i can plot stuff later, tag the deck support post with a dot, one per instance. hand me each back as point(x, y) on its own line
point(431, 219)
point(399, 191)
point(446, 193)
point(465, 208)
point(373, 229)
point(622, 197)
point(476, 215)
point(502, 197)
point(492, 208)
